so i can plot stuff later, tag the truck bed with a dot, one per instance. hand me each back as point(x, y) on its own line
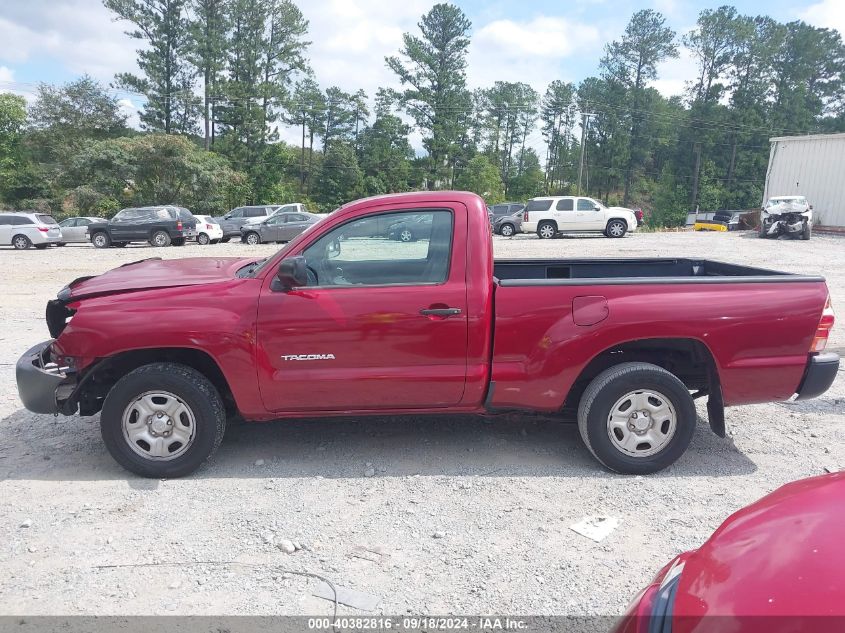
point(540, 272)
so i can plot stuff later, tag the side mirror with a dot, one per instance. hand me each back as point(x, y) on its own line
point(811, 207)
point(596, 208)
point(292, 273)
point(333, 249)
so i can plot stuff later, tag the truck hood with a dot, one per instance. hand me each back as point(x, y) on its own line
point(155, 273)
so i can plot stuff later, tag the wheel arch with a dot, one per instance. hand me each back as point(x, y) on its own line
point(690, 359)
point(105, 373)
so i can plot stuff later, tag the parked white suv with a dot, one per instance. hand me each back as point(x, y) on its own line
point(28, 228)
point(548, 216)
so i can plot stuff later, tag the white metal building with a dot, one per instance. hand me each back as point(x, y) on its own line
point(811, 166)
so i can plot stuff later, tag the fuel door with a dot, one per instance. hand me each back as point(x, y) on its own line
point(589, 310)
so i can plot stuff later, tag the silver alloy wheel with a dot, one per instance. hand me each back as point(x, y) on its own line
point(21, 242)
point(100, 240)
point(547, 231)
point(160, 238)
point(507, 230)
point(202, 239)
point(252, 238)
point(641, 423)
point(616, 228)
point(157, 425)
point(405, 235)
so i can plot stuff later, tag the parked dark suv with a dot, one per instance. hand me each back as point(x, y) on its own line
point(160, 226)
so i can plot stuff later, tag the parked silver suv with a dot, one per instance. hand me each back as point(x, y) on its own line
point(23, 229)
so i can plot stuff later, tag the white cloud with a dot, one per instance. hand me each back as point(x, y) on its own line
point(77, 34)
point(7, 75)
point(826, 14)
point(673, 74)
point(507, 50)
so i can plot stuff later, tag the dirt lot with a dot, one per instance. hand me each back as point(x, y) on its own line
point(429, 515)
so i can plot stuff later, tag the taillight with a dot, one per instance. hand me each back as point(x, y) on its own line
point(43, 229)
point(208, 226)
point(179, 225)
point(824, 328)
point(525, 217)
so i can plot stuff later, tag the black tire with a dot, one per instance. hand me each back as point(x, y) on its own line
point(21, 242)
point(507, 230)
point(762, 234)
point(178, 241)
point(190, 387)
point(252, 238)
point(203, 239)
point(806, 232)
point(613, 384)
point(101, 239)
point(160, 239)
point(546, 230)
point(225, 239)
point(616, 228)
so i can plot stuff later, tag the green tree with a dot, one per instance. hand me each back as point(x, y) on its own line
point(155, 169)
point(208, 26)
point(167, 81)
point(433, 69)
point(632, 61)
point(557, 116)
point(385, 154)
point(339, 178)
point(15, 180)
point(482, 177)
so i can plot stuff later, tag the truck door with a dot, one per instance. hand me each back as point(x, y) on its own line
point(382, 324)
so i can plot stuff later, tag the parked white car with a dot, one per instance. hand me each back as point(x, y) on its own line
point(551, 215)
point(76, 229)
point(28, 228)
point(295, 207)
point(209, 230)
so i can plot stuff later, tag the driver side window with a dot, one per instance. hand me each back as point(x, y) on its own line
point(406, 248)
point(585, 204)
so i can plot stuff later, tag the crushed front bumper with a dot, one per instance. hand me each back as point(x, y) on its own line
point(819, 375)
point(39, 378)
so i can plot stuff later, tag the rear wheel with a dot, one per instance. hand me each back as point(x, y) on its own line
point(546, 230)
point(203, 239)
point(616, 228)
point(101, 240)
point(162, 420)
point(252, 238)
point(21, 242)
point(405, 235)
point(636, 418)
point(507, 230)
point(160, 238)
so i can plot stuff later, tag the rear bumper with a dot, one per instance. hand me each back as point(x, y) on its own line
point(38, 379)
point(819, 375)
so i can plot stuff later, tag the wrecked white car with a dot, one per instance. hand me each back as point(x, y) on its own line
point(787, 215)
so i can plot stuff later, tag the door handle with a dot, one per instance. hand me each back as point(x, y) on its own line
point(441, 312)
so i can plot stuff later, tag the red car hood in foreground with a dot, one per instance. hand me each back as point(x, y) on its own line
point(156, 273)
point(777, 565)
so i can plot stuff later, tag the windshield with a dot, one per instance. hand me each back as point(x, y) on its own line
point(776, 201)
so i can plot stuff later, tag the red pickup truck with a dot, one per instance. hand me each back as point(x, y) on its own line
point(345, 321)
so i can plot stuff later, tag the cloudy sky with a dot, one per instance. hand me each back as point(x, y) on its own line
point(534, 41)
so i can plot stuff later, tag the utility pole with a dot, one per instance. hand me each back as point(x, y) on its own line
point(696, 149)
point(585, 121)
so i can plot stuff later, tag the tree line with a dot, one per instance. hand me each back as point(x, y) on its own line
point(220, 78)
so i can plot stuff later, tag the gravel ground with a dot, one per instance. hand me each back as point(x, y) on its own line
point(430, 515)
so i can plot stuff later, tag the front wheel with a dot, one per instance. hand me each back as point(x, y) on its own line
point(806, 232)
point(507, 230)
point(616, 228)
point(546, 230)
point(101, 240)
point(405, 235)
point(203, 239)
point(252, 238)
point(162, 420)
point(636, 418)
